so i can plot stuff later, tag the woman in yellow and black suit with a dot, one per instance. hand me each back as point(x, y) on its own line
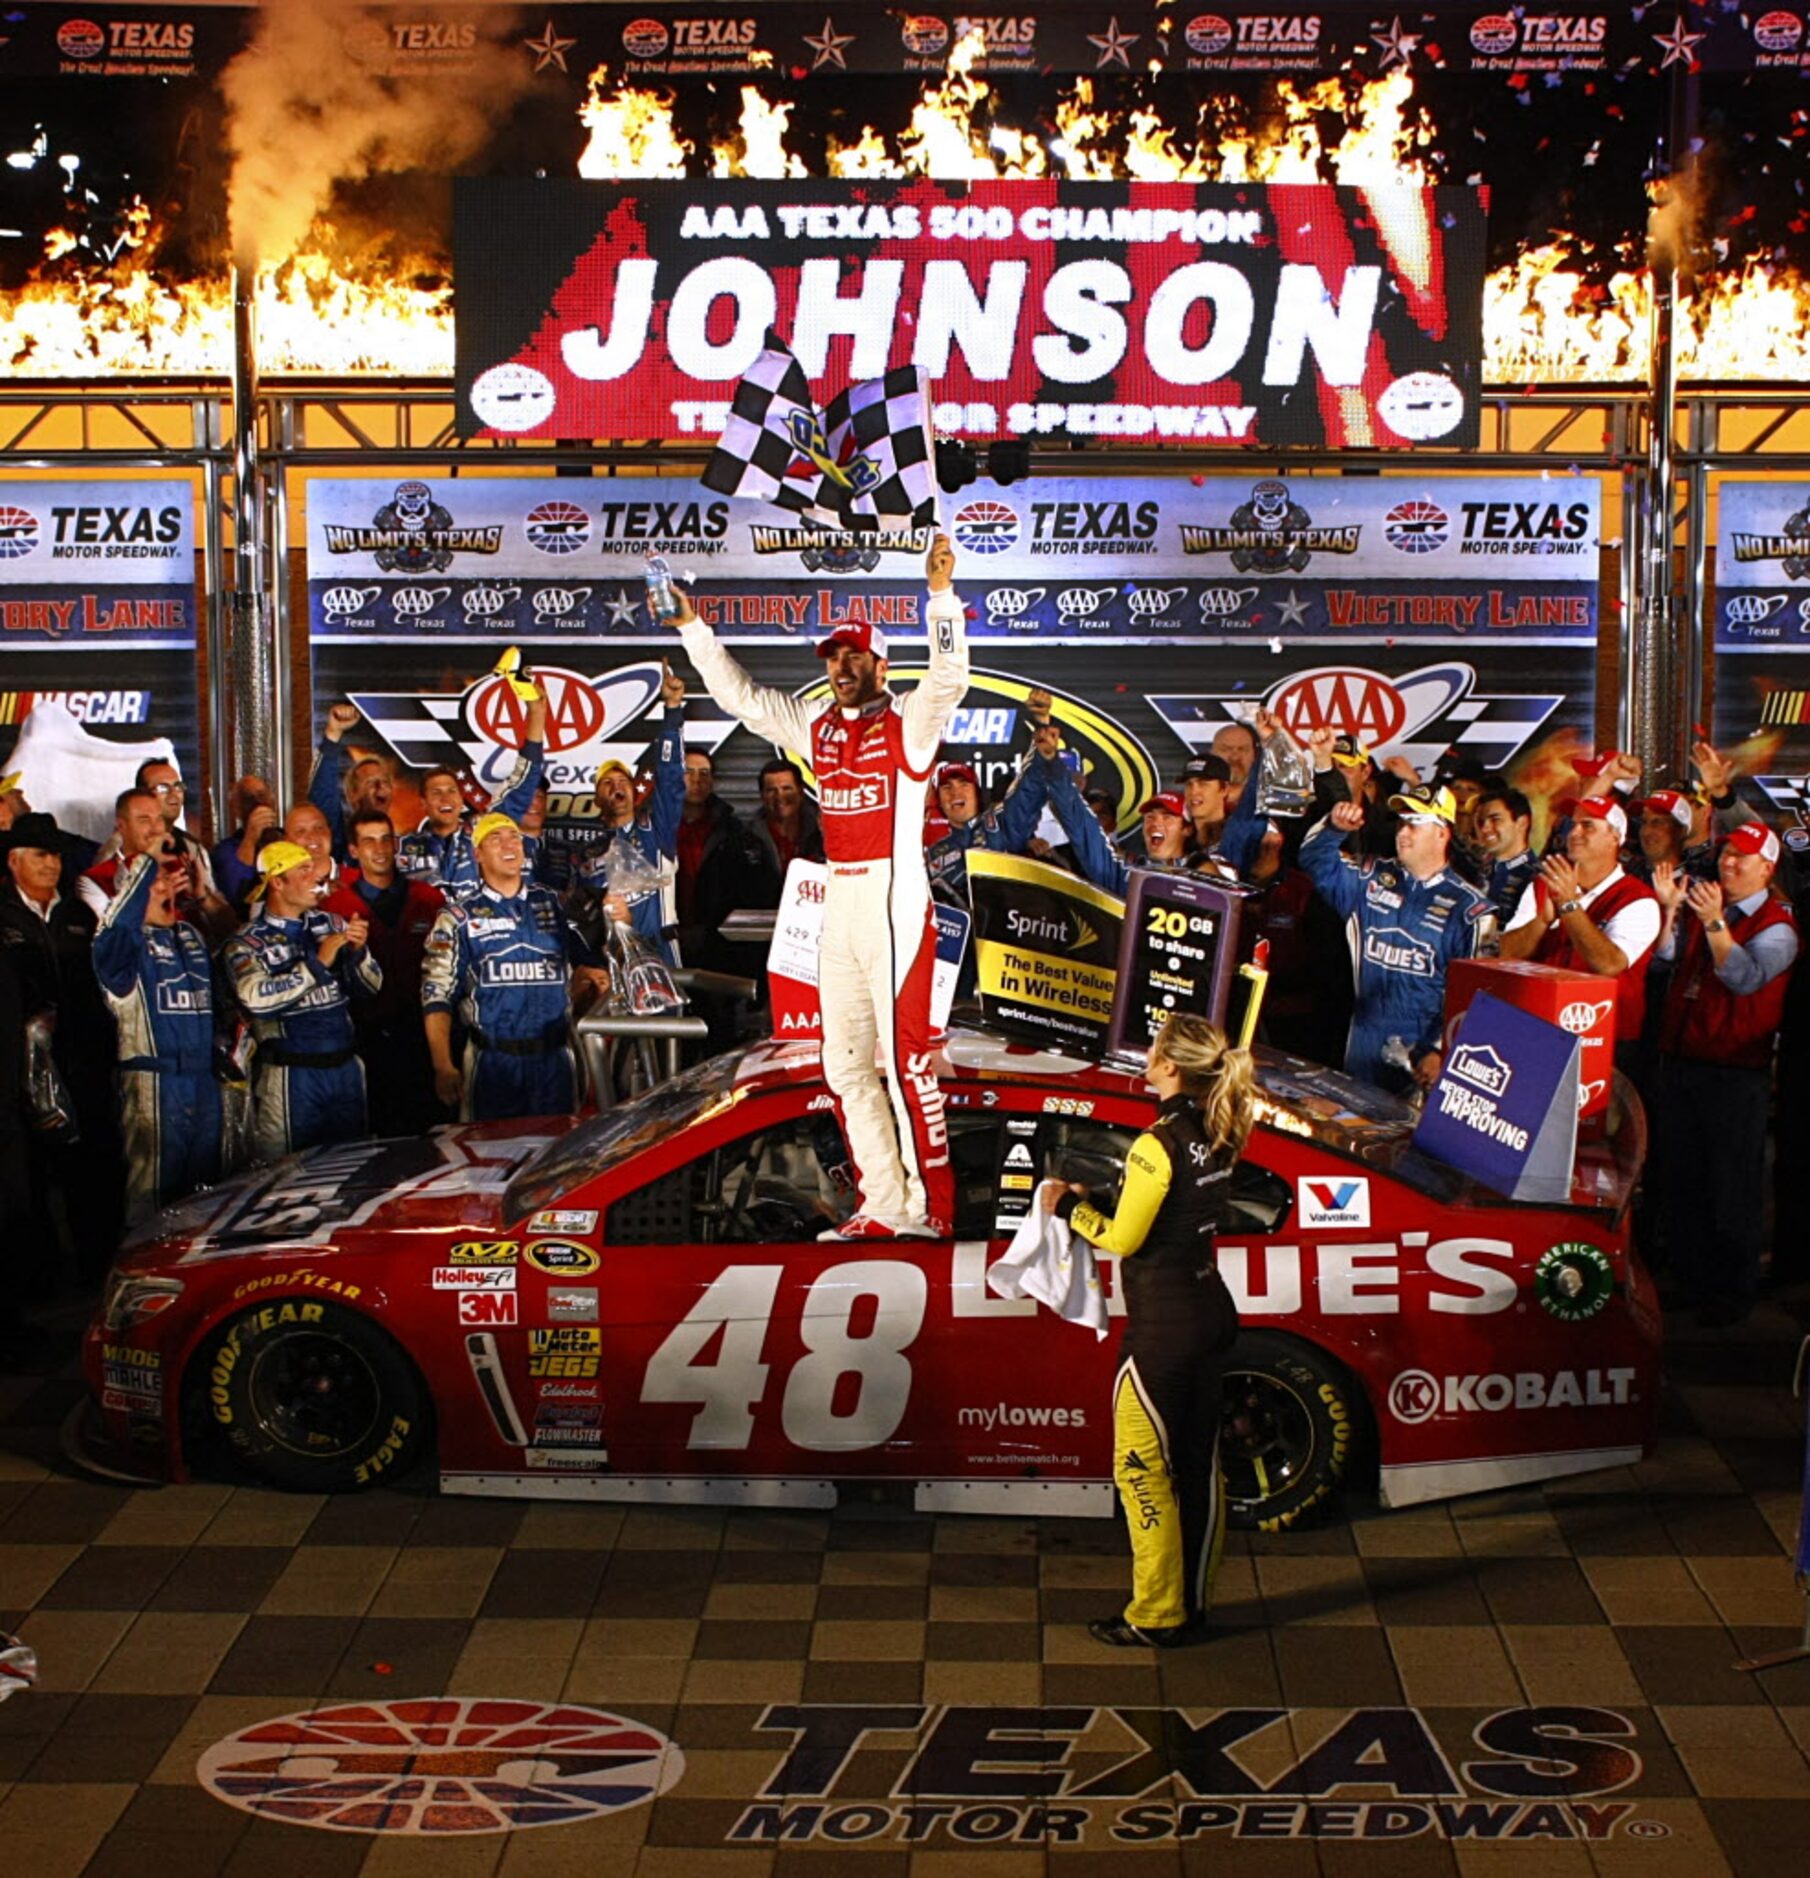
point(1180, 1323)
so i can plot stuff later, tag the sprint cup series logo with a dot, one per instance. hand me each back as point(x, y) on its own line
point(1417, 715)
point(413, 533)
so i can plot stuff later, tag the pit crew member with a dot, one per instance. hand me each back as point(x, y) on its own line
point(502, 955)
point(159, 982)
point(1405, 919)
point(1180, 1325)
point(440, 850)
point(1502, 826)
point(872, 756)
point(294, 968)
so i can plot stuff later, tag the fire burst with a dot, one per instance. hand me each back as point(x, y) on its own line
point(1548, 317)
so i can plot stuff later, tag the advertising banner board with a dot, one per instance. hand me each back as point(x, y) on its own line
point(1045, 945)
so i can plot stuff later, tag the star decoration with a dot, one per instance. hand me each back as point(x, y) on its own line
point(828, 45)
point(624, 610)
point(1678, 48)
point(1396, 43)
point(1292, 611)
point(1113, 45)
point(549, 49)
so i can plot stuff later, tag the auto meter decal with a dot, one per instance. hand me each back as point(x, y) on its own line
point(440, 1767)
point(1573, 1281)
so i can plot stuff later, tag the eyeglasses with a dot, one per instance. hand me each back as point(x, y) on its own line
point(165, 789)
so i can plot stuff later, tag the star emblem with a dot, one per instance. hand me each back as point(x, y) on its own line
point(1292, 611)
point(1678, 48)
point(1113, 45)
point(549, 49)
point(624, 610)
point(1396, 43)
point(828, 45)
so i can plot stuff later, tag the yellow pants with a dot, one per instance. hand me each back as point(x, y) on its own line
point(1165, 1462)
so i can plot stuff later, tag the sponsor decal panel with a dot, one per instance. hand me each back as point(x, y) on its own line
point(1341, 1200)
point(474, 1278)
point(487, 1307)
point(1416, 1395)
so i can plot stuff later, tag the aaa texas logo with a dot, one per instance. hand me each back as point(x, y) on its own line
point(440, 1766)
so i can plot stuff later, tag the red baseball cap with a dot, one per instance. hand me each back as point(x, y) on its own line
point(1755, 838)
point(1668, 802)
point(1601, 809)
point(956, 772)
point(1167, 803)
point(862, 638)
point(1594, 765)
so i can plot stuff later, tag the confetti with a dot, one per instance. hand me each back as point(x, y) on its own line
point(384, 1669)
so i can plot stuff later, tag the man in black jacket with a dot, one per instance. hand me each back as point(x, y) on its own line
point(50, 935)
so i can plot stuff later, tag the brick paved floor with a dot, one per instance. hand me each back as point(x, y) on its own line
point(167, 1620)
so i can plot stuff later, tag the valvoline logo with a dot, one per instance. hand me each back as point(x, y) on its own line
point(1341, 1201)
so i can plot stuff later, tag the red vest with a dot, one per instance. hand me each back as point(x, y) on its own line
point(1705, 1021)
point(870, 797)
point(1555, 948)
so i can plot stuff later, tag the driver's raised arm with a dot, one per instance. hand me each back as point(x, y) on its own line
point(770, 713)
point(927, 711)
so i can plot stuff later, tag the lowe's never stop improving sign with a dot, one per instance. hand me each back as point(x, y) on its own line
point(1155, 312)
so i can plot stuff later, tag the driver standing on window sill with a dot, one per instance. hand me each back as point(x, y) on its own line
point(872, 755)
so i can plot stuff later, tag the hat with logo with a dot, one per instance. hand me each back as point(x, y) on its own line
point(1208, 768)
point(1165, 803)
point(36, 830)
point(1595, 765)
point(492, 824)
point(1749, 838)
point(274, 858)
point(1425, 802)
point(1668, 802)
point(1346, 750)
point(956, 772)
point(1602, 809)
point(862, 638)
point(11, 781)
point(608, 764)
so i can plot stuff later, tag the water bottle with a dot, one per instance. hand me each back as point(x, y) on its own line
point(662, 594)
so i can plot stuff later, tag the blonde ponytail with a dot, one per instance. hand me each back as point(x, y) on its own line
point(1218, 1076)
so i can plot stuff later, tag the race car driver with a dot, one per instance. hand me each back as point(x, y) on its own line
point(872, 756)
point(503, 956)
point(1405, 919)
point(440, 850)
point(159, 983)
point(293, 968)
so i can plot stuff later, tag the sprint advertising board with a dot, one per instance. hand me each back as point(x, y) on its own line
point(98, 607)
point(1416, 613)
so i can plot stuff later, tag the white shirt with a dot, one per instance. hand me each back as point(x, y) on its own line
point(43, 908)
point(1633, 931)
point(1050, 1262)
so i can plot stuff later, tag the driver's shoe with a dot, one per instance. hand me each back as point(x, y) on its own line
point(859, 1226)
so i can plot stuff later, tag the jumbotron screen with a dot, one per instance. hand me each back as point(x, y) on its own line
point(1140, 312)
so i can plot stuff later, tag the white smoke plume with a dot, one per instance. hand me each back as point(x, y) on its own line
point(324, 96)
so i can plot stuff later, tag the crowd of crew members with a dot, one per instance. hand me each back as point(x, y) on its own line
point(319, 973)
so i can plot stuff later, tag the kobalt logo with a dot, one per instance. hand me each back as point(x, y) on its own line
point(1416, 1396)
point(1145, 602)
point(1013, 602)
point(1417, 527)
point(557, 527)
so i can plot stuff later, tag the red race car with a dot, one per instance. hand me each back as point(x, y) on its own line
point(636, 1306)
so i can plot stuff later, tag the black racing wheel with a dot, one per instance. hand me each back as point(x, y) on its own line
point(315, 1397)
point(1289, 1430)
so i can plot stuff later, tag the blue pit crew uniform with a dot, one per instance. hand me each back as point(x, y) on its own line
point(655, 833)
point(449, 862)
point(160, 986)
point(1506, 881)
point(308, 1085)
point(1240, 840)
point(502, 962)
point(1005, 828)
point(1403, 932)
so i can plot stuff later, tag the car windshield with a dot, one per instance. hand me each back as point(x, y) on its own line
point(603, 1140)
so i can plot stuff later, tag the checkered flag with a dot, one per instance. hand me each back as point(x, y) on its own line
point(861, 464)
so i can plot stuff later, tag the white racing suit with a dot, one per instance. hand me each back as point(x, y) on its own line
point(879, 935)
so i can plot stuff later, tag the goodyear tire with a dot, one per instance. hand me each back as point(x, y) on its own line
point(1287, 1440)
point(314, 1397)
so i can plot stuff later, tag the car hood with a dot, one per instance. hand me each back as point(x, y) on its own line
point(451, 1179)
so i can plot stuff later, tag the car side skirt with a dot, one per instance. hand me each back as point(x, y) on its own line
point(1420, 1481)
point(558, 1484)
point(1049, 1499)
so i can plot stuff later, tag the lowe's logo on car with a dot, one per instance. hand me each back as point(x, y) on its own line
point(1469, 1277)
point(1335, 1203)
point(1416, 1396)
point(1481, 1067)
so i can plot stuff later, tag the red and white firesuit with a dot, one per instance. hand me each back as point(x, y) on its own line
point(879, 935)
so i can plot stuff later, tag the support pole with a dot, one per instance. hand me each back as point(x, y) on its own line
point(250, 665)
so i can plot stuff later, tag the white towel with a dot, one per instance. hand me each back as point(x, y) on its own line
point(1048, 1262)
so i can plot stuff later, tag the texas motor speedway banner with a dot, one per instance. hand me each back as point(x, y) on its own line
point(97, 630)
point(1255, 313)
point(1417, 613)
